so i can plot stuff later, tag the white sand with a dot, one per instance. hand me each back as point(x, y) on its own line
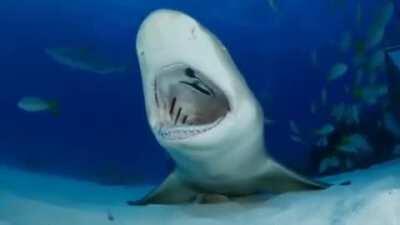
point(373, 197)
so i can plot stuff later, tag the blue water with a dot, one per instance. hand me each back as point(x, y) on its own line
point(102, 132)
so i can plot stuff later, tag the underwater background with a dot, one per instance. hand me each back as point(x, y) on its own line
point(298, 57)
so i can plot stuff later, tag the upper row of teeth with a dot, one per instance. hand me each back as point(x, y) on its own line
point(177, 133)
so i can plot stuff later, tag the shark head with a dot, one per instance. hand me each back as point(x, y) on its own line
point(196, 98)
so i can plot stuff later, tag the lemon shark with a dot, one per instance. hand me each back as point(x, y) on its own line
point(84, 59)
point(202, 112)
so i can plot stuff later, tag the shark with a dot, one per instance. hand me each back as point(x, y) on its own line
point(201, 110)
point(83, 59)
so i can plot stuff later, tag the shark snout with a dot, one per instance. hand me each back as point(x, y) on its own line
point(165, 16)
point(166, 30)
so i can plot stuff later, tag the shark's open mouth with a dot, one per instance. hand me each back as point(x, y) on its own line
point(187, 102)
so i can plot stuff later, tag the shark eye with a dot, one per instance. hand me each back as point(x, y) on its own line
point(189, 72)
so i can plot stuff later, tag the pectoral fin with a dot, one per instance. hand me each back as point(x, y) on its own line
point(172, 191)
point(278, 179)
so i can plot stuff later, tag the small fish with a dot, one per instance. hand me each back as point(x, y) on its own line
point(386, 13)
point(345, 42)
point(396, 150)
point(110, 217)
point(355, 144)
point(329, 163)
point(296, 139)
point(397, 8)
point(313, 108)
point(131, 203)
point(376, 31)
point(360, 48)
point(359, 13)
point(324, 96)
point(359, 77)
point(345, 183)
point(376, 62)
point(360, 54)
point(322, 142)
point(391, 124)
point(375, 37)
point(325, 130)
point(338, 111)
point(372, 78)
point(337, 71)
point(371, 93)
point(347, 89)
point(274, 5)
point(346, 113)
point(268, 121)
point(349, 164)
point(293, 127)
point(339, 4)
point(314, 58)
point(379, 124)
point(36, 104)
point(354, 115)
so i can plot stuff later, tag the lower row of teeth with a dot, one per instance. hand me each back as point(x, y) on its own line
point(182, 133)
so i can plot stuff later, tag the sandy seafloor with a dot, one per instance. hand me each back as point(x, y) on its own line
point(373, 197)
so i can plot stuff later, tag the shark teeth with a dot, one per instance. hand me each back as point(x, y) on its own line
point(183, 132)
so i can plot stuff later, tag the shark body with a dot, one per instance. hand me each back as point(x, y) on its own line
point(83, 59)
point(202, 112)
